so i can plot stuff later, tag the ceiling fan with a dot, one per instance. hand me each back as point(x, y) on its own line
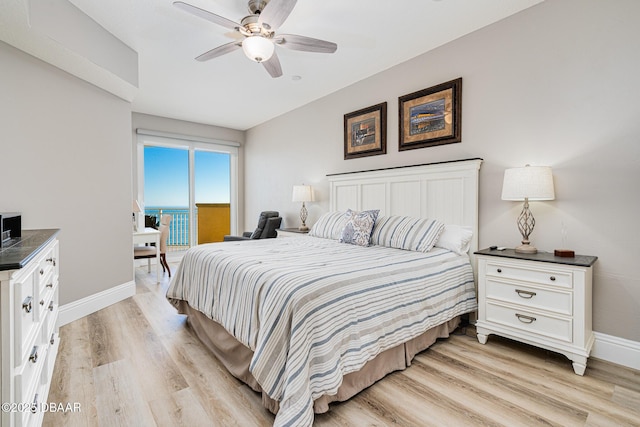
point(259, 31)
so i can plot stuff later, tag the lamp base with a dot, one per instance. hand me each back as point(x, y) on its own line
point(526, 222)
point(303, 218)
point(526, 249)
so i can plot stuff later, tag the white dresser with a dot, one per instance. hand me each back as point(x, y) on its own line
point(539, 299)
point(28, 319)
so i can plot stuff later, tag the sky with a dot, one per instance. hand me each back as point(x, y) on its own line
point(166, 177)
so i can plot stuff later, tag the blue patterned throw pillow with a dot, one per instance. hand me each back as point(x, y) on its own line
point(357, 230)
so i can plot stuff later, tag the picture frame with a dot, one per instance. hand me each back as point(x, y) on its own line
point(431, 117)
point(365, 132)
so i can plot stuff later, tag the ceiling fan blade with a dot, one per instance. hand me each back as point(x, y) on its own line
point(201, 13)
point(219, 51)
point(306, 44)
point(272, 65)
point(276, 12)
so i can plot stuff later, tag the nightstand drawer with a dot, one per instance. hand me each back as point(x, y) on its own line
point(533, 322)
point(514, 272)
point(557, 301)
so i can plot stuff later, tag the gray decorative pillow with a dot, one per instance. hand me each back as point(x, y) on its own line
point(357, 230)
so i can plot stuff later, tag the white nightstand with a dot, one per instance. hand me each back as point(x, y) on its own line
point(291, 232)
point(539, 299)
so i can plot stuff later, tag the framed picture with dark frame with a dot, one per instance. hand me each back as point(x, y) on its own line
point(365, 132)
point(431, 116)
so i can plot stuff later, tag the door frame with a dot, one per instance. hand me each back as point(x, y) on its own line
point(190, 143)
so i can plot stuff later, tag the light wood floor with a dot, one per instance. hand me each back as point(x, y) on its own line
point(136, 363)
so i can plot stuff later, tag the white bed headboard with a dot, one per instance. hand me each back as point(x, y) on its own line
point(446, 191)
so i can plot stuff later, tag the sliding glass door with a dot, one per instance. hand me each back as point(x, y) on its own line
point(192, 181)
point(166, 191)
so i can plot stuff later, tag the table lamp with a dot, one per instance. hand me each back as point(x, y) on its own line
point(527, 183)
point(303, 193)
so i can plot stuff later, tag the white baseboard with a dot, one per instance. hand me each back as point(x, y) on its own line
point(85, 306)
point(616, 350)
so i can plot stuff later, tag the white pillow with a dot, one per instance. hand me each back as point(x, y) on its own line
point(455, 238)
point(405, 232)
point(329, 226)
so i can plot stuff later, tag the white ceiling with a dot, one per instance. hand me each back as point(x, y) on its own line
point(232, 91)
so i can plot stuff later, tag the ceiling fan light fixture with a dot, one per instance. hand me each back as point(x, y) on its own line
point(259, 31)
point(258, 48)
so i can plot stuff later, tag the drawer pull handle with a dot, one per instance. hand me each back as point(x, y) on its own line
point(33, 357)
point(525, 319)
point(34, 405)
point(49, 285)
point(499, 270)
point(525, 294)
point(26, 304)
point(51, 306)
point(552, 278)
point(53, 339)
point(41, 271)
point(41, 302)
point(52, 260)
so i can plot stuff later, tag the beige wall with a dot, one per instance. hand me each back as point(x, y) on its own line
point(65, 162)
point(554, 85)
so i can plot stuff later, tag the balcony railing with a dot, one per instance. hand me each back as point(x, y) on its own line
point(179, 236)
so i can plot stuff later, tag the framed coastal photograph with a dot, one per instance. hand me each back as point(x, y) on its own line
point(365, 132)
point(431, 116)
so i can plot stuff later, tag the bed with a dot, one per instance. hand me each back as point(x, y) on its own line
point(311, 320)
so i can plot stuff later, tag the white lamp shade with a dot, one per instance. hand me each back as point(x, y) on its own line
point(136, 207)
point(258, 48)
point(302, 193)
point(532, 182)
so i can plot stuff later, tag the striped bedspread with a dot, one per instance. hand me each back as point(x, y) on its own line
point(313, 309)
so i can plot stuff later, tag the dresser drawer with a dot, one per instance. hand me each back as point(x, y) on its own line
point(27, 381)
point(48, 300)
point(26, 319)
point(34, 416)
point(557, 301)
point(558, 328)
point(46, 283)
point(47, 370)
point(47, 268)
point(50, 319)
point(538, 275)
